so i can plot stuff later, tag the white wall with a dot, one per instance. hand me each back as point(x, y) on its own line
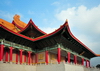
point(16, 67)
point(70, 67)
point(51, 67)
point(43, 67)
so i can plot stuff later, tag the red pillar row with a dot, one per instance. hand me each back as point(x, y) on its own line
point(59, 57)
point(68, 57)
point(75, 60)
point(1, 51)
point(46, 57)
point(10, 57)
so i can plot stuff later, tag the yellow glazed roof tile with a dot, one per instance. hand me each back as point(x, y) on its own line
point(9, 25)
point(18, 22)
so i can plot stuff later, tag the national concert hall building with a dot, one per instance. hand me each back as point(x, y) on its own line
point(22, 43)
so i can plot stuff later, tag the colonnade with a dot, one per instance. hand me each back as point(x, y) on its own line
point(28, 58)
point(87, 62)
point(7, 55)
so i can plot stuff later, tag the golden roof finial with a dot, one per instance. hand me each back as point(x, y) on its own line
point(16, 17)
point(66, 20)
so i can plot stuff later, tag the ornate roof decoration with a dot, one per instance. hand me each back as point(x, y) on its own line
point(18, 23)
point(30, 31)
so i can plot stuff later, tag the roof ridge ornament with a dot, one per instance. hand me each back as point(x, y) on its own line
point(16, 17)
point(66, 20)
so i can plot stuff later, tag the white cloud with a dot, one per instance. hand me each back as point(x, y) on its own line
point(48, 29)
point(56, 3)
point(82, 18)
point(85, 25)
point(86, 21)
point(93, 45)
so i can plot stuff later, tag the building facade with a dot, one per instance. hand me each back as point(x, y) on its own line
point(22, 43)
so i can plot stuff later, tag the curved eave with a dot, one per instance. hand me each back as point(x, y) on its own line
point(97, 54)
point(20, 35)
point(50, 34)
point(17, 25)
point(32, 23)
point(35, 39)
point(67, 26)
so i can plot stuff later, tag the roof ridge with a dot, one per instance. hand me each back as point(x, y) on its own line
point(32, 23)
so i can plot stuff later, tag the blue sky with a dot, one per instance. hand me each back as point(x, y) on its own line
point(48, 15)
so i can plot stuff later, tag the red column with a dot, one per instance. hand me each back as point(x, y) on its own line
point(20, 56)
point(24, 58)
point(32, 58)
point(1, 51)
point(29, 56)
point(6, 58)
point(59, 57)
point(46, 57)
point(16, 58)
point(83, 61)
point(68, 56)
point(10, 54)
point(87, 63)
point(75, 59)
point(36, 58)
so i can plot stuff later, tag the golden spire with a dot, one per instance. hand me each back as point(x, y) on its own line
point(66, 20)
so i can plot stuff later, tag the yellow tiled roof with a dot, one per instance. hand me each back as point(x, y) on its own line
point(9, 25)
point(18, 22)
